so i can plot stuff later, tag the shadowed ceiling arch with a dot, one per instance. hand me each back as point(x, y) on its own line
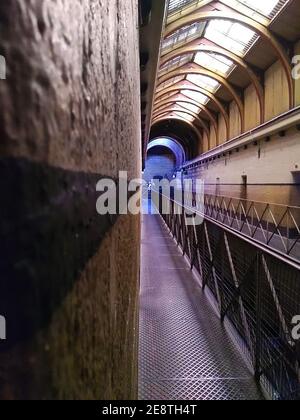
point(181, 110)
point(186, 133)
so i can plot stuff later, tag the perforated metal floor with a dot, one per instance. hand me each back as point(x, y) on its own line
point(185, 354)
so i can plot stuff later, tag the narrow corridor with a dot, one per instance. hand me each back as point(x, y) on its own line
point(185, 353)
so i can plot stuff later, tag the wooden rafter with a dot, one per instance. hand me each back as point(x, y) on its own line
point(257, 27)
point(210, 48)
point(192, 87)
point(196, 69)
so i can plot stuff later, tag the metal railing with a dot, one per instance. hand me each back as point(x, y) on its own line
point(255, 289)
point(274, 225)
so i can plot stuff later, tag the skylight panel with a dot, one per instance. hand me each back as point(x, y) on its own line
point(170, 108)
point(170, 82)
point(164, 110)
point(167, 95)
point(214, 62)
point(196, 96)
point(175, 5)
point(160, 107)
point(230, 35)
point(190, 107)
point(176, 62)
point(205, 82)
point(184, 115)
point(183, 35)
point(265, 7)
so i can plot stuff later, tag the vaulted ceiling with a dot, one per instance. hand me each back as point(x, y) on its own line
point(212, 50)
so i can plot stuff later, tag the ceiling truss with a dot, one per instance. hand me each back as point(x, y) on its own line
point(181, 110)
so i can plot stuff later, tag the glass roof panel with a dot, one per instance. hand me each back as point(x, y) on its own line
point(174, 110)
point(183, 35)
point(175, 63)
point(190, 107)
point(168, 95)
point(175, 5)
point(184, 115)
point(196, 96)
point(264, 7)
point(214, 62)
point(203, 81)
point(230, 35)
point(171, 82)
point(165, 108)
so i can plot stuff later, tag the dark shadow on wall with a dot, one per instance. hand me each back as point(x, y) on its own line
point(49, 230)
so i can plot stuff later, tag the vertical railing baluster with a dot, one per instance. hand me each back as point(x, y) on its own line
point(258, 323)
point(274, 367)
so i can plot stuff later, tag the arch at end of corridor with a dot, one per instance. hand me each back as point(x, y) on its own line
point(173, 145)
point(181, 133)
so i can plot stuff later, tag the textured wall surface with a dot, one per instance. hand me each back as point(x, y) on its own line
point(271, 169)
point(68, 277)
point(276, 92)
point(297, 81)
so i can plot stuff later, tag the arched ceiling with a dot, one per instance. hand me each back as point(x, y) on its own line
point(208, 59)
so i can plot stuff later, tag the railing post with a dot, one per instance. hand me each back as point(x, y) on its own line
point(221, 287)
point(258, 324)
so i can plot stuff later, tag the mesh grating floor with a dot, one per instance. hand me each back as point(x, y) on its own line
point(185, 353)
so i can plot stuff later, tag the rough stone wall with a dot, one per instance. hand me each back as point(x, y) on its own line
point(68, 278)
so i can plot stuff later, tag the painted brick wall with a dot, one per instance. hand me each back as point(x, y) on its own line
point(68, 278)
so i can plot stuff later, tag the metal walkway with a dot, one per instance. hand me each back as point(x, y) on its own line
point(185, 353)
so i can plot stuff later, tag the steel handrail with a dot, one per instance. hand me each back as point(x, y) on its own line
point(253, 201)
point(266, 218)
point(256, 289)
point(273, 252)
